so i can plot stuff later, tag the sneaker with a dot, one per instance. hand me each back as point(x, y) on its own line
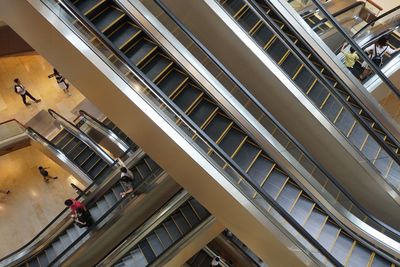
point(38, 100)
point(55, 177)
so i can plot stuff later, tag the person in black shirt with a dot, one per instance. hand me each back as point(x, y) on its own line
point(45, 174)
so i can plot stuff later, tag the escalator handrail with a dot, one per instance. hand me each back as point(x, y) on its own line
point(212, 254)
point(360, 51)
point(104, 127)
point(340, 12)
point(151, 86)
point(129, 198)
point(334, 92)
point(272, 118)
point(375, 20)
point(141, 231)
point(78, 133)
point(31, 131)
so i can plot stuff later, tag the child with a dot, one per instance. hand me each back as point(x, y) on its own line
point(45, 174)
point(350, 57)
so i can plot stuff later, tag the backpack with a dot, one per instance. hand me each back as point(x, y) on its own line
point(377, 58)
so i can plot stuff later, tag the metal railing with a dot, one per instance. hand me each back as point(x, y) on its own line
point(78, 133)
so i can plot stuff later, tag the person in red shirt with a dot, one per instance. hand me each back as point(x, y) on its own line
point(74, 205)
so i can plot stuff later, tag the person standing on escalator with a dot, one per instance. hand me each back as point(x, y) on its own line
point(21, 90)
point(376, 52)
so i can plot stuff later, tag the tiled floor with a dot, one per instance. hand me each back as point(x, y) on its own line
point(32, 203)
point(32, 70)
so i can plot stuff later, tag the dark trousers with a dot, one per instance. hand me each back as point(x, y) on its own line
point(27, 94)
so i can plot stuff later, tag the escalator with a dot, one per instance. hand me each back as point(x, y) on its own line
point(144, 250)
point(200, 259)
point(324, 91)
point(269, 181)
point(347, 17)
point(68, 237)
point(82, 150)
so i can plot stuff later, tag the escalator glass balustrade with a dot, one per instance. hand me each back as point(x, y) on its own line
point(182, 221)
point(345, 113)
point(140, 51)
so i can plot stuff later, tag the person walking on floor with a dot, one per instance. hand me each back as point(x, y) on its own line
point(45, 174)
point(60, 81)
point(21, 90)
point(5, 192)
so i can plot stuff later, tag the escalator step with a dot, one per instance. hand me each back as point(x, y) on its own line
point(273, 185)
point(217, 126)
point(304, 79)
point(331, 108)
point(58, 247)
point(34, 262)
point(147, 251)
point(370, 149)
point(190, 216)
point(65, 240)
point(187, 97)
point(91, 162)
point(85, 6)
point(246, 155)
point(143, 169)
point(301, 209)
point(201, 212)
point(155, 244)
point(288, 196)
point(83, 156)
point(248, 20)
point(103, 205)
point(51, 253)
point(233, 6)
point(151, 164)
point(66, 138)
point(111, 198)
point(156, 66)
point(358, 135)
point(107, 17)
point(359, 257)
point(138, 51)
point(124, 34)
point(260, 169)
point(98, 168)
point(202, 111)
point(173, 231)
point(291, 65)
point(172, 81)
point(138, 258)
point(277, 50)
point(231, 141)
point(163, 236)
point(181, 223)
point(76, 150)
point(328, 235)
point(43, 260)
point(318, 94)
point(315, 222)
point(342, 248)
point(59, 136)
point(263, 35)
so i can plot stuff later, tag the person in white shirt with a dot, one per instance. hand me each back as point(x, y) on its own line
point(21, 90)
point(62, 83)
point(376, 52)
point(127, 180)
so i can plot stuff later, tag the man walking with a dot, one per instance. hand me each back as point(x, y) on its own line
point(45, 174)
point(21, 90)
